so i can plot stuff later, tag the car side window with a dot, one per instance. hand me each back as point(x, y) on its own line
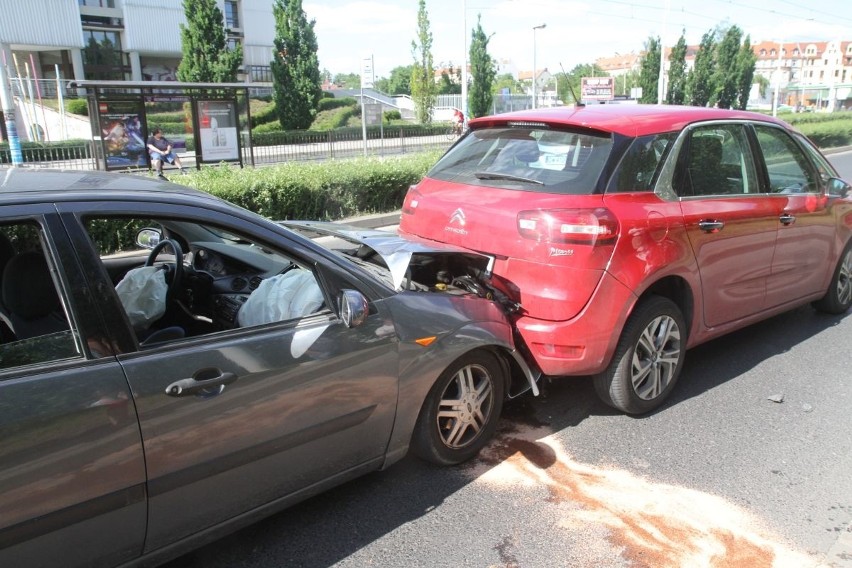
point(825, 169)
point(34, 327)
point(637, 169)
point(787, 167)
point(718, 163)
point(196, 279)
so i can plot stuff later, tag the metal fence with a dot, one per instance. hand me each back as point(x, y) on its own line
point(299, 146)
point(77, 157)
point(309, 146)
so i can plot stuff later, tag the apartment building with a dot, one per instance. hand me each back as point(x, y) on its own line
point(806, 75)
point(133, 40)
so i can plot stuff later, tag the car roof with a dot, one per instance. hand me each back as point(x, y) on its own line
point(30, 184)
point(625, 119)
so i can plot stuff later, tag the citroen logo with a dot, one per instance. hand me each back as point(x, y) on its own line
point(457, 217)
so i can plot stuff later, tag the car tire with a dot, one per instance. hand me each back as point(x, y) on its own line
point(647, 360)
point(838, 298)
point(461, 411)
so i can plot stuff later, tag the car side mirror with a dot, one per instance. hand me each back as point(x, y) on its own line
point(838, 188)
point(148, 238)
point(353, 307)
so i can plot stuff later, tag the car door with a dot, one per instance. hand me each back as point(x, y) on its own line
point(806, 228)
point(731, 224)
point(72, 474)
point(292, 403)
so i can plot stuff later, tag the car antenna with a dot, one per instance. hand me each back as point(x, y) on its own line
point(577, 102)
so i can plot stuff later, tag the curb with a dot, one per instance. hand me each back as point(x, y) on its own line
point(373, 221)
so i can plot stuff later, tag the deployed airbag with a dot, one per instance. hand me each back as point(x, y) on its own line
point(143, 293)
point(291, 295)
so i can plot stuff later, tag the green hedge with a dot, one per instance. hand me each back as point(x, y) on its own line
point(828, 134)
point(329, 191)
point(269, 135)
point(328, 104)
point(77, 106)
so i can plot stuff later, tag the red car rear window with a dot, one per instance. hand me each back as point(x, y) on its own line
point(527, 158)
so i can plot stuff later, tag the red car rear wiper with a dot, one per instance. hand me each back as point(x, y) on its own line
point(507, 177)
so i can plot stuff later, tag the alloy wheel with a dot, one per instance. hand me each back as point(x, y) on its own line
point(465, 406)
point(656, 357)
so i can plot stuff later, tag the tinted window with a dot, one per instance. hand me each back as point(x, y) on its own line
point(34, 327)
point(718, 162)
point(531, 159)
point(787, 167)
point(637, 169)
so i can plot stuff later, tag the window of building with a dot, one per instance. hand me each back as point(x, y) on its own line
point(260, 73)
point(103, 58)
point(97, 3)
point(232, 16)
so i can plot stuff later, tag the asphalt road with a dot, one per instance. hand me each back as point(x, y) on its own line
point(723, 475)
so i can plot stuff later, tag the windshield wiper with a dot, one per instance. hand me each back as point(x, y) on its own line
point(507, 177)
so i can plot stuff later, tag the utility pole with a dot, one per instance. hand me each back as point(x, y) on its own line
point(534, 75)
point(9, 116)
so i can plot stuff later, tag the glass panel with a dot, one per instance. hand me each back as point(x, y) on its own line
point(34, 327)
point(638, 167)
point(527, 158)
point(719, 162)
point(788, 168)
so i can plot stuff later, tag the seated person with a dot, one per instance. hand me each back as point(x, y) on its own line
point(160, 149)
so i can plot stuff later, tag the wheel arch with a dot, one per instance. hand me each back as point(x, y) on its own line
point(676, 289)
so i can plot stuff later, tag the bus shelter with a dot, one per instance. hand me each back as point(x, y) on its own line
point(207, 123)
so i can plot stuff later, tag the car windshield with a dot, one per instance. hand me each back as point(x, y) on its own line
point(527, 158)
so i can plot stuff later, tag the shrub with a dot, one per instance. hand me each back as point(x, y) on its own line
point(328, 104)
point(322, 191)
point(828, 134)
point(77, 106)
point(392, 115)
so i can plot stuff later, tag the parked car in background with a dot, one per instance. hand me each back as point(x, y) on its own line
point(629, 233)
point(173, 367)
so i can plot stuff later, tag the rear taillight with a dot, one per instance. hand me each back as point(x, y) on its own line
point(412, 199)
point(574, 226)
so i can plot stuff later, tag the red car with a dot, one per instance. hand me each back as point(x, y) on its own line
point(629, 233)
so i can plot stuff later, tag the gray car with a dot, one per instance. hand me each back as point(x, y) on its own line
point(173, 367)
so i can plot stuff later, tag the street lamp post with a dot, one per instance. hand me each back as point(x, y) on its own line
point(542, 26)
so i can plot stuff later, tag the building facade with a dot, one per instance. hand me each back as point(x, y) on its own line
point(814, 75)
point(133, 40)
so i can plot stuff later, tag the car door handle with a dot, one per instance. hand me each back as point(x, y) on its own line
point(787, 219)
point(206, 382)
point(710, 226)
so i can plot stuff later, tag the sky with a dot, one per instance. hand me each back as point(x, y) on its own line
point(575, 31)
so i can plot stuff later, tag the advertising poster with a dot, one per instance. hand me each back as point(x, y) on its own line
point(217, 131)
point(597, 88)
point(122, 134)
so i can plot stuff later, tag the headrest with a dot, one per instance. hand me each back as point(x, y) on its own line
point(707, 149)
point(28, 289)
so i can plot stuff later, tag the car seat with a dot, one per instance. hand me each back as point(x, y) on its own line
point(706, 175)
point(30, 298)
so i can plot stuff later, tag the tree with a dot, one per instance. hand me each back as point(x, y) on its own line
point(568, 84)
point(649, 71)
point(507, 81)
point(701, 84)
point(423, 89)
point(480, 95)
point(727, 74)
point(206, 57)
point(399, 82)
point(295, 67)
point(450, 81)
point(348, 80)
point(745, 72)
point(676, 94)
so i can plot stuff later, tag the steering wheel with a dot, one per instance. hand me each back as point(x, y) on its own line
point(174, 271)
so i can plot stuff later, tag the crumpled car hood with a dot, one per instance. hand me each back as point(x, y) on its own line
point(396, 251)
